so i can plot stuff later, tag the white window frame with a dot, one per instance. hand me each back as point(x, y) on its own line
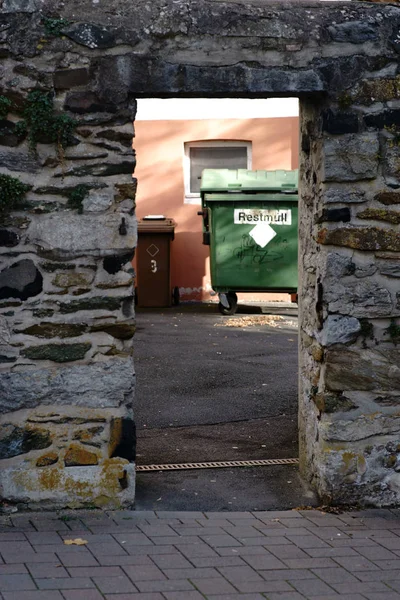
point(194, 197)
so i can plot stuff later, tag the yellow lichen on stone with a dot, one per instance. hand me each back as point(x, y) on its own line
point(77, 456)
point(47, 459)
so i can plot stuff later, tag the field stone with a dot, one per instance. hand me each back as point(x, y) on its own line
point(99, 385)
point(21, 280)
point(340, 330)
point(15, 440)
point(77, 456)
point(351, 157)
point(98, 200)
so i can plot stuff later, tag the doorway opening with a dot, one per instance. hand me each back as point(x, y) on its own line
point(212, 389)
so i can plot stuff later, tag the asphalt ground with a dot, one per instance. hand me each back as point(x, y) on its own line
point(210, 391)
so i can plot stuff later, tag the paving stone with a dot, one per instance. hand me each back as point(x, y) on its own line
point(41, 538)
point(338, 575)
point(263, 586)
point(79, 559)
point(238, 574)
point(375, 534)
point(310, 563)
point(157, 530)
point(355, 563)
point(330, 552)
point(183, 596)
point(14, 547)
point(375, 553)
point(328, 533)
point(144, 573)
point(150, 550)
point(276, 541)
point(237, 597)
point(288, 551)
point(34, 595)
point(360, 587)
point(114, 585)
point(138, 596)
point(213, 586)
point(219, 561)
point(170, 514)
point(17, 581)
point(243, 551)
point(186, 530)
point(82, 595)
point(135, 559)
point(13, 536)
point(177, 539)
point(138, 539)
point(286, 596)
point(13, 568)
point(108, 549)
point(307, 541)
point(383, 596)
point(206, 573)
point(220, 541)
point(264, 562)
point(325, 520)
point(388, 565)
point(18, 557)
point(341, 597)
point(95, 571)
point(66, 583)
point(179, 585)
point(231, 515)
point(172, 561)
point(46, 570)
point(197, 551)
point(314, 587)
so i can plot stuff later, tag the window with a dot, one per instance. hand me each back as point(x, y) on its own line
point(212, 155)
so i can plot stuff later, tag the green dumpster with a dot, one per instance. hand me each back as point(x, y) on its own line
point(250, 221)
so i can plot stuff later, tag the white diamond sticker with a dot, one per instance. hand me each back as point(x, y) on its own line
point(262, 234)
point(152, 250)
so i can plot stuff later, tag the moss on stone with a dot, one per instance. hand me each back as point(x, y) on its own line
point(50, 267)
point(361, 238)
point(96, 303)
point(51, 330)
point(380, 214)
point(66, 280)
point(42, 313)
point(58, 353)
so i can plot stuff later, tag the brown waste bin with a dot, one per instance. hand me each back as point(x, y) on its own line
point(155, 234)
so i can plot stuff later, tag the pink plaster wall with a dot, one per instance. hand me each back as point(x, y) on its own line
point(160, 152)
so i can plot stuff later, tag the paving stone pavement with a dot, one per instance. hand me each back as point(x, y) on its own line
point(146, 555)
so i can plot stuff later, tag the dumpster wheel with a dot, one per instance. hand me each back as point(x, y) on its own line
point(232, 300)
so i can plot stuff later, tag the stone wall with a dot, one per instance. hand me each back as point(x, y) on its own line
point(66, 282)
point(66, 309)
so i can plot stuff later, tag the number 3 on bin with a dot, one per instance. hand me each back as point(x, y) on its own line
point(153, 266)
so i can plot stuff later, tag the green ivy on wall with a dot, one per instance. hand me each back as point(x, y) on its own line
point(12, 191)
point(54, 27)
point(42, 124)
point(5, 107)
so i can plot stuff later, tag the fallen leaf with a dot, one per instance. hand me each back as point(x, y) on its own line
point(75, 542)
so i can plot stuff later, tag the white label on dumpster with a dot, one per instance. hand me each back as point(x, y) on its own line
point(248, 216)
point(262, 234)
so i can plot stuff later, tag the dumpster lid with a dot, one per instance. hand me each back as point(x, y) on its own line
point(156, 224)
point(242, 180)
